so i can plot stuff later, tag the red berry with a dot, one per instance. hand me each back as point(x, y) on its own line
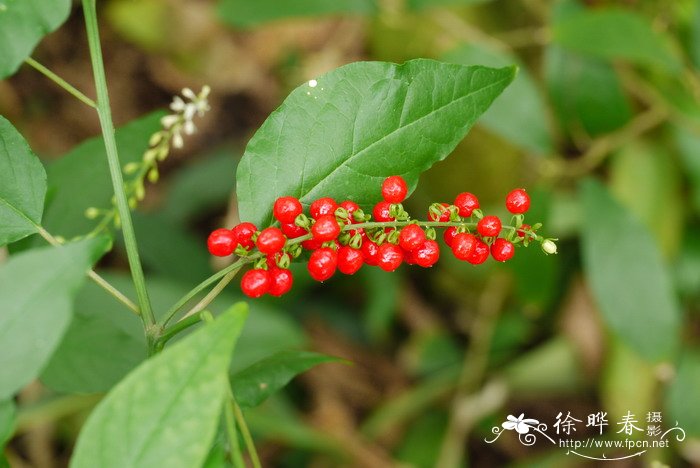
point(286, 209)
point(255, 283)
point(480, 253)
point(502, 250)
point(411, 237)
point(394, 189)
point(523, 229)
point(221, 242)
point(518, 201)
point(427, 254)
point(349, 260)
point(244, 233)
point(389, 256)
point(292, 231)
point(463, 245)
point(370, 251)
point(381, 211)
point(323, 206)
point(489, 226)
point(449, 235)
point(312, 244)
point(444, 214)
point(409, 258)
point(467, 203)
point(281, 281)
point(323, 263)
point(270, 240)
point(325, 228)
point(351, 207)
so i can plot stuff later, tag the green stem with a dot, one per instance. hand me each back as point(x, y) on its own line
point(60, 82)
point(245, 432)
point(105, 115)
point(201, 305)
point(183, 324)
point(234, 447)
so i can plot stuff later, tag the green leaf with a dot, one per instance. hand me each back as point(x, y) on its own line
point(36, 298)
point(615, 34)
point(22, 185)
point(688, 144)
point(519, 115)
point(166, 412)
point(80, 179)
point(341, 135)
point(244, 13)
point(22, 25)
point(255, 384)
point(681, 399)
point(7, 421)
point(627, 276)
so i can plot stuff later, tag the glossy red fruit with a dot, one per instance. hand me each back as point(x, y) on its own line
point(489, 226)
point(286, 209)
point(323, 263)
point(449, 235)
point(427, 254)
point(444, 214)
point(325, 228)
point(255, 283)
point(380, 213)
point(502, 250)
point(411, 237)
point(292, 231)
point(394, 189)
point(270, 240)
point(370, 251)
point(312, 244)
point(523, 229)
point(480, 253)
point(351, 207)
point(323, 206)
point(409, 258)
point(518, 201)
point(281, 281)
point(467, 203)
point(349, 260)
point(244, 234)
point(389, 256)
point(222, 242)
point(463, 245)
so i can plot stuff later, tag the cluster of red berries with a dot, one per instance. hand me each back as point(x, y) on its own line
point(342, 237)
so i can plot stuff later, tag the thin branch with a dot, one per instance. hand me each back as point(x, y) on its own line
point(61, 82)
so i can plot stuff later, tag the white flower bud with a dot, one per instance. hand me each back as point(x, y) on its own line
point(549, 247)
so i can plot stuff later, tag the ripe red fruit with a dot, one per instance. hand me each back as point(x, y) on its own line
point(312, 244)
point(502, 250)
point(489, 226)
point(323, 206)
point(255, 283)
point(281, 281)
point(370, 251)
point(467, 203)
point(394, 189)
point(221, 242)
point(292, 231)
point(270, 240)
point(389, 256)
point(518, 201)
point(286, 209)
point(480, 253)
point(411, 237)
point(323, 263)
point(381, 210)
point(444, 214)
point(244, 233)
point(349, 260)
point(449, 235)
point(351, 207)
point(325, 228)
point(463, 245)
point(523, 229)
point(427, 254)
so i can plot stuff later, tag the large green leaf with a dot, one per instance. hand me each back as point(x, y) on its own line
point(36, 298)
point(627, 276)
point(22, 185)
point(7, 421)
point(244, 13)
point(166, 412)
point(22, 25)
point(342, 134)
point(681, 400)
point(255, 384)
point(615, 34)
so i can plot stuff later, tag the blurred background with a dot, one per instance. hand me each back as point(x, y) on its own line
point(602, 126)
